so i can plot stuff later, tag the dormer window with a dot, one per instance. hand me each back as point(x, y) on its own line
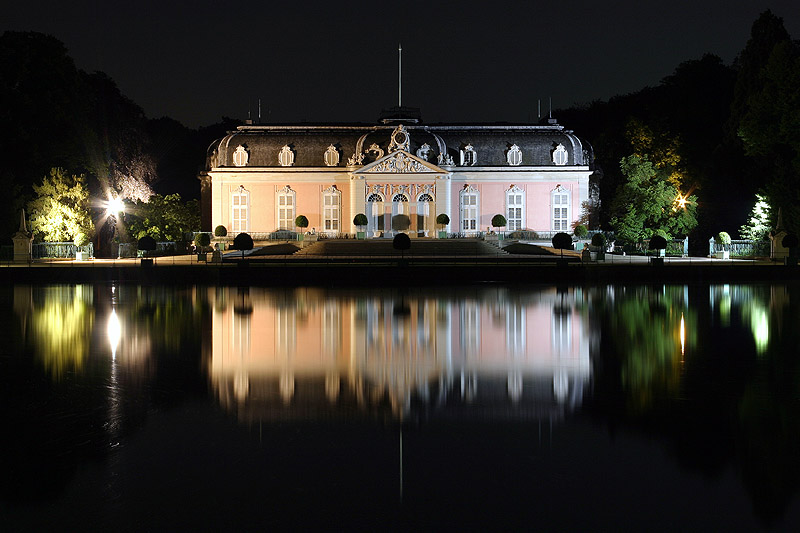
point(469, 157)
point(514, 156)
point(424, 151)
point(240, 156)
point(331, 156)
point(286, 156)
point(560, 155)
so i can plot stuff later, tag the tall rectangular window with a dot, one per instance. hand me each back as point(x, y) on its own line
point(331, 200)
point(469, 210)
point(286, 208)
point(515, 208)
point(560, 201)
point(240, 203)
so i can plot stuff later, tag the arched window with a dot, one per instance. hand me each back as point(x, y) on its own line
point(560, 155)
point(400, 204)
point(424, 212)
point(470, 207)
point(286, 202)
point(559, 199)
point(375, 223)
point(331, 209)
point(515, 208)
point(469, 156)
point(240, 210)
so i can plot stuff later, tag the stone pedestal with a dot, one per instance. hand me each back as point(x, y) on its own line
point(23, 242)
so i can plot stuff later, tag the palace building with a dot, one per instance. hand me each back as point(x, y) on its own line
point(259, 178)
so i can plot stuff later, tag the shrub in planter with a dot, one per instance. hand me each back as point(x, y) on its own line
point(580, 231)
point(220, 231)
point(599, 243)
point(401, 242)
point(658, 242)
point(243, 242)
point(442, 220)
point(301, 222)
point(360, 221)
point(81, 240)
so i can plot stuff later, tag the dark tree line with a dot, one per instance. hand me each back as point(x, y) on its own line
point(733, 127)
point(56, 115)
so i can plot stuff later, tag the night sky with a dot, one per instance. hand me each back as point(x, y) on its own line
point(337, 61)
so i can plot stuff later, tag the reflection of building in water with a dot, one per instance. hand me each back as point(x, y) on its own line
point(306, 353)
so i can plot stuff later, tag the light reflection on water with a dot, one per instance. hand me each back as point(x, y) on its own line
point(710, 372)
point(493, 348)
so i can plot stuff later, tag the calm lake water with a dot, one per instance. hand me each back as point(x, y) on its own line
point(540, 408)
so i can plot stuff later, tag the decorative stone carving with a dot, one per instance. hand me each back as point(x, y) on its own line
point(286, 156)
point(424, 151)
point(514, 156)
point(377, 149)
point(331, 156)
point(468, 156)
point(560, 155)
point(399, 163)
point(446, 160)
point(23, 242)
point(240, 156)
point(355, 160)
point(400, 139)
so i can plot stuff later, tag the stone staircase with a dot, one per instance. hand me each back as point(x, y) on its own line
point(419, 248)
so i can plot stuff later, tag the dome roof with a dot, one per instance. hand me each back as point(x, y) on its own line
point(361, 144)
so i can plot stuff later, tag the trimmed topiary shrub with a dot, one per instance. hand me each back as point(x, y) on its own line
point(442, 219)
point(202, 241)
point(360, 220)
point(243, 242)
point(722, 238)
point(499, 221)
point(599, 240)
point(580, 231)
point(301, 221)
point(81, 240)
point(220, 231)
point(146, 244)
point(562, 241)
point(657, 242)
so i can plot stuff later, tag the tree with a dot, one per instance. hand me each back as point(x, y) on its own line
point(647, 202)
point(301, 222)
point(203, 241)
point(562, 241)
point(61, 209)
point(758, 224)
point(442, 219)
point(360, 220)
point(220, 231)
point(499, 221)
point(165, 218)
point(243, 242)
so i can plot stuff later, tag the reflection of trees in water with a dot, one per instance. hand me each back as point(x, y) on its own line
point(60, 327)
point(733, 400)
point(644, 326)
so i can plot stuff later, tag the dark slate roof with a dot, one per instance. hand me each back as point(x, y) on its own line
point(310, 141)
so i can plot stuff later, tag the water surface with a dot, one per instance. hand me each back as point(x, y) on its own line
point(569, 408)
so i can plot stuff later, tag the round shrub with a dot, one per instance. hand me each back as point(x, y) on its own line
point(598, 239)
point(401, 242)
point(562, 241)
point(580, 231)
point(243, 241)
point(442, 219)
point(220, 231)
point(146, 244)
point(301, 221)
point(360, 220)
point(203, 240)
point(81, 240)
point(499, 221)
point(722, 238)
point(657, 242)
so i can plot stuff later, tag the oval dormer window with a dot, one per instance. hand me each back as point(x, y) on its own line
point(240, 156)
point(560, 155)
point(514, 156)
point(286, 156)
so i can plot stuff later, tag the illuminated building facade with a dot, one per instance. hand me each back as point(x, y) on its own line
point(259, 178)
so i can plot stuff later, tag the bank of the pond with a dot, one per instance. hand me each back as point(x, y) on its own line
point(412, 272)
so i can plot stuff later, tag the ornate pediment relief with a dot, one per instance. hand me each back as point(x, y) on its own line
point(400, 162)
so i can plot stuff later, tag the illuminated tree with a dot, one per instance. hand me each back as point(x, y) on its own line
point(758, 225)
point(165, 218)
point(61, 209)
point(648, 203)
